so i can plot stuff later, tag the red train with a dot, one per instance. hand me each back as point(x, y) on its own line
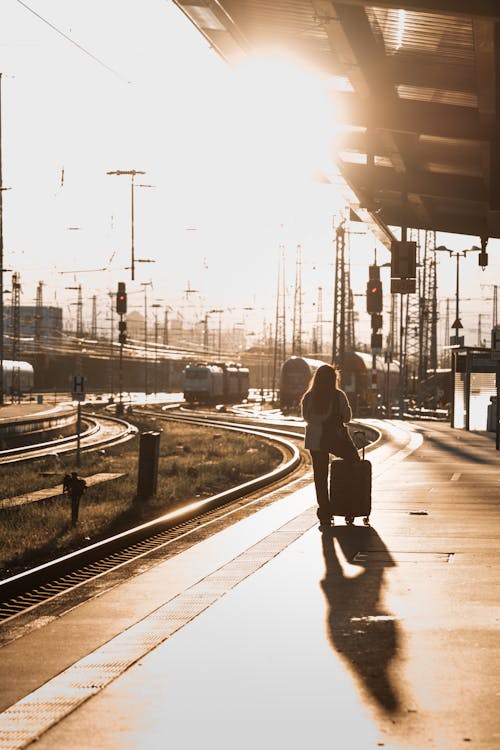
point(356, 380)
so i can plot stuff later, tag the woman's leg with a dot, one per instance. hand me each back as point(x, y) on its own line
point(320, 461)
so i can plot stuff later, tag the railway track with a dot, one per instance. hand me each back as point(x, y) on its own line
point(99, 432)
point(79, 572)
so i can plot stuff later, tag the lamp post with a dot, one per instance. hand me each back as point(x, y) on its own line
point(457, 325)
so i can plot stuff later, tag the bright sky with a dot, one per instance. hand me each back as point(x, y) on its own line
point(230, 154)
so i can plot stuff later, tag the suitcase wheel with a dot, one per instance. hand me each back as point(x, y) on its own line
point(349, 520)
point(366, 520)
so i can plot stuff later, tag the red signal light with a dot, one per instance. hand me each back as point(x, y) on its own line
point(121, 299)
point(374, 296)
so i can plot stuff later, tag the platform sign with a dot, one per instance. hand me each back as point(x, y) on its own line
point(78, 388)
point(495, 343)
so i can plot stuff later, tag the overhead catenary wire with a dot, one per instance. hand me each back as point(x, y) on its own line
point(72, 41)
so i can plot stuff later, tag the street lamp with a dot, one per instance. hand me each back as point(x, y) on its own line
point(457, 325)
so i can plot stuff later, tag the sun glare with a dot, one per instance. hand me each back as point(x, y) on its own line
point(285, 121)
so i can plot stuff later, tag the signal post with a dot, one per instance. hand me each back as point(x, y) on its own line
point(121, 309)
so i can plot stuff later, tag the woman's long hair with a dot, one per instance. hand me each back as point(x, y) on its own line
point(322, 388)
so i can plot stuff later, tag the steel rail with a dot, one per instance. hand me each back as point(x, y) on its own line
point(30, 585)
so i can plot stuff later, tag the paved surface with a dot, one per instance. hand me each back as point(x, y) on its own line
point(8, 412)
point(273, 635)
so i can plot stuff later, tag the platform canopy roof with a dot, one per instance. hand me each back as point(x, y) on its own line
point(419, 95)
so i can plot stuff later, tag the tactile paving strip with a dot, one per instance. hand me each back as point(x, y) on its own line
point(33, 715)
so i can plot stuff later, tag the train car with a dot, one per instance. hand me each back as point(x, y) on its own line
point(366, 389)
point(212, 383)
point(295, 376)
point(17, 376)
point(236, 382)
point(203, 383)
point(356, 380)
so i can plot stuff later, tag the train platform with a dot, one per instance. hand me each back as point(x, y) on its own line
point(24, 410)
point(270, 633)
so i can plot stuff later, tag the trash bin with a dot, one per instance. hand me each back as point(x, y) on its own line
point(149, 452)
point(491, 421)
point(39, 398)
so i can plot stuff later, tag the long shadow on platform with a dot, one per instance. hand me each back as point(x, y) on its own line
point(458, 451)
point(358, 628)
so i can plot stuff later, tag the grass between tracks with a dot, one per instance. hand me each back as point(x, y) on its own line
point(194, 462)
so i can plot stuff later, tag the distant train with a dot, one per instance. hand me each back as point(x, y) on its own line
point(295, 376)
point(216, 383)
point(17, 376)
point(356, 377)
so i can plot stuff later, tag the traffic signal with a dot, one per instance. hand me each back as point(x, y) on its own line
point(121, 299)
point(122, 327)
point(403, 260)
point(374, 296)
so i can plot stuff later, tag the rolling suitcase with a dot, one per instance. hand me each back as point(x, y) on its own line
point(351, 489)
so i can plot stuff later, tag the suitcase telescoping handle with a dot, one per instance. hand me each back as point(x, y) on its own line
point(361, 432)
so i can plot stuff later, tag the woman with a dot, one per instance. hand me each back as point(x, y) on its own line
point(326, 410)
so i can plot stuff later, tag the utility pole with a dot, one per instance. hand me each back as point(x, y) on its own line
point(111, 341)
point(318, 331)
point(446, 331)
point(16, 336)
point(145, 284)
point(131, 173)
point(280, 325)
point(339, 306)
point(165, 326)
point(79, 310)
point(93, 325)
point(155, 307)
point(38, 315)
point(297, 306)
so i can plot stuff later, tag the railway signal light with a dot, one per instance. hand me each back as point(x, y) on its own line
point(122, 327)
point(376, 322)
point(374, 296)
point(403, 260)
point(121, 299)
point(376, 341)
